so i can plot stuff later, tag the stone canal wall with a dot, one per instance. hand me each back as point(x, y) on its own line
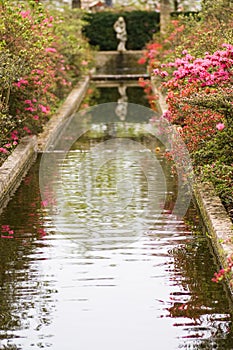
point(119, 65)
point(102, 58)
point(217, 222)
point(15, 168)
point(70, 105)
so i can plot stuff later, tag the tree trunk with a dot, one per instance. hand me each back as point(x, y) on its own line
point(165, 10)
point(76, 4)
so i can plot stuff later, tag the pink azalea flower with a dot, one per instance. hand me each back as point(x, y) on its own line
point(25, 14)
point(25, 128)
point(163, 74)
point(50, 49)
point(30, 109)
point(5, 228)
point(14, 135)
point(21, 82)
point(44, 203)
point(44, 109)
point(84, 63)
point(220, 126)
point(3, 150)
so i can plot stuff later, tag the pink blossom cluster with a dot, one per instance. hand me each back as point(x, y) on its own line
point(25, 14)
point(14, 138)
point(220, 126)
point(46, 80)
point(48, 21)
point(21, 83)
point(7, 232)
point(213, 69)
point(222, 273)
point(3, 150)
point(50, 49)
point(33, 106)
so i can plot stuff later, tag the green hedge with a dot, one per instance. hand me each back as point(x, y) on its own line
point(140, 26)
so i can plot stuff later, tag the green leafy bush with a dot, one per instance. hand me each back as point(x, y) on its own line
point(42, 54)
point(72, 44)
point(193, 62)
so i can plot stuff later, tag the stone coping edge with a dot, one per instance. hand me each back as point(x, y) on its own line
point(217, 222)
point(213, 213)
point(15, 168)
point(70, 105)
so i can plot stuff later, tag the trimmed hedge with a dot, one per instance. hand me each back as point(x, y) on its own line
point(140, 26)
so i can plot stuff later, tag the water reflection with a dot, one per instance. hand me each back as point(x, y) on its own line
point(156, 290)
point(27, 295)
point(96, 285)
point(122, 102)
point(124, 94)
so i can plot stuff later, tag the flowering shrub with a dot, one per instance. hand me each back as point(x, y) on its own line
point(199, 98)
point(38, 67)
point(148, 89)
point(206, 122)
point(194, 67)
point(190, 78)
point(7, 232)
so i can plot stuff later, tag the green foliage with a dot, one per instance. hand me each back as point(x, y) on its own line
point(221, 175)
point(217, 10)
point(140, 26)
point(73, 46)
point(198, 32)
point(218, 148)
point(219, 101)
point(42, 54)
point(206, 108)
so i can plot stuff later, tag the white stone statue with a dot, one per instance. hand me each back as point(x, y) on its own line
point(121, 34)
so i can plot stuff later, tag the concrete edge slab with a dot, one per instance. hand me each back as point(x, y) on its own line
point(15, 168)
point(216, 220)
point(70, 105)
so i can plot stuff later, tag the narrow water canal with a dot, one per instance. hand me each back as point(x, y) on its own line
point(99, 272)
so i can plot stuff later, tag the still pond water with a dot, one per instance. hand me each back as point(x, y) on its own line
point(83, 279)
